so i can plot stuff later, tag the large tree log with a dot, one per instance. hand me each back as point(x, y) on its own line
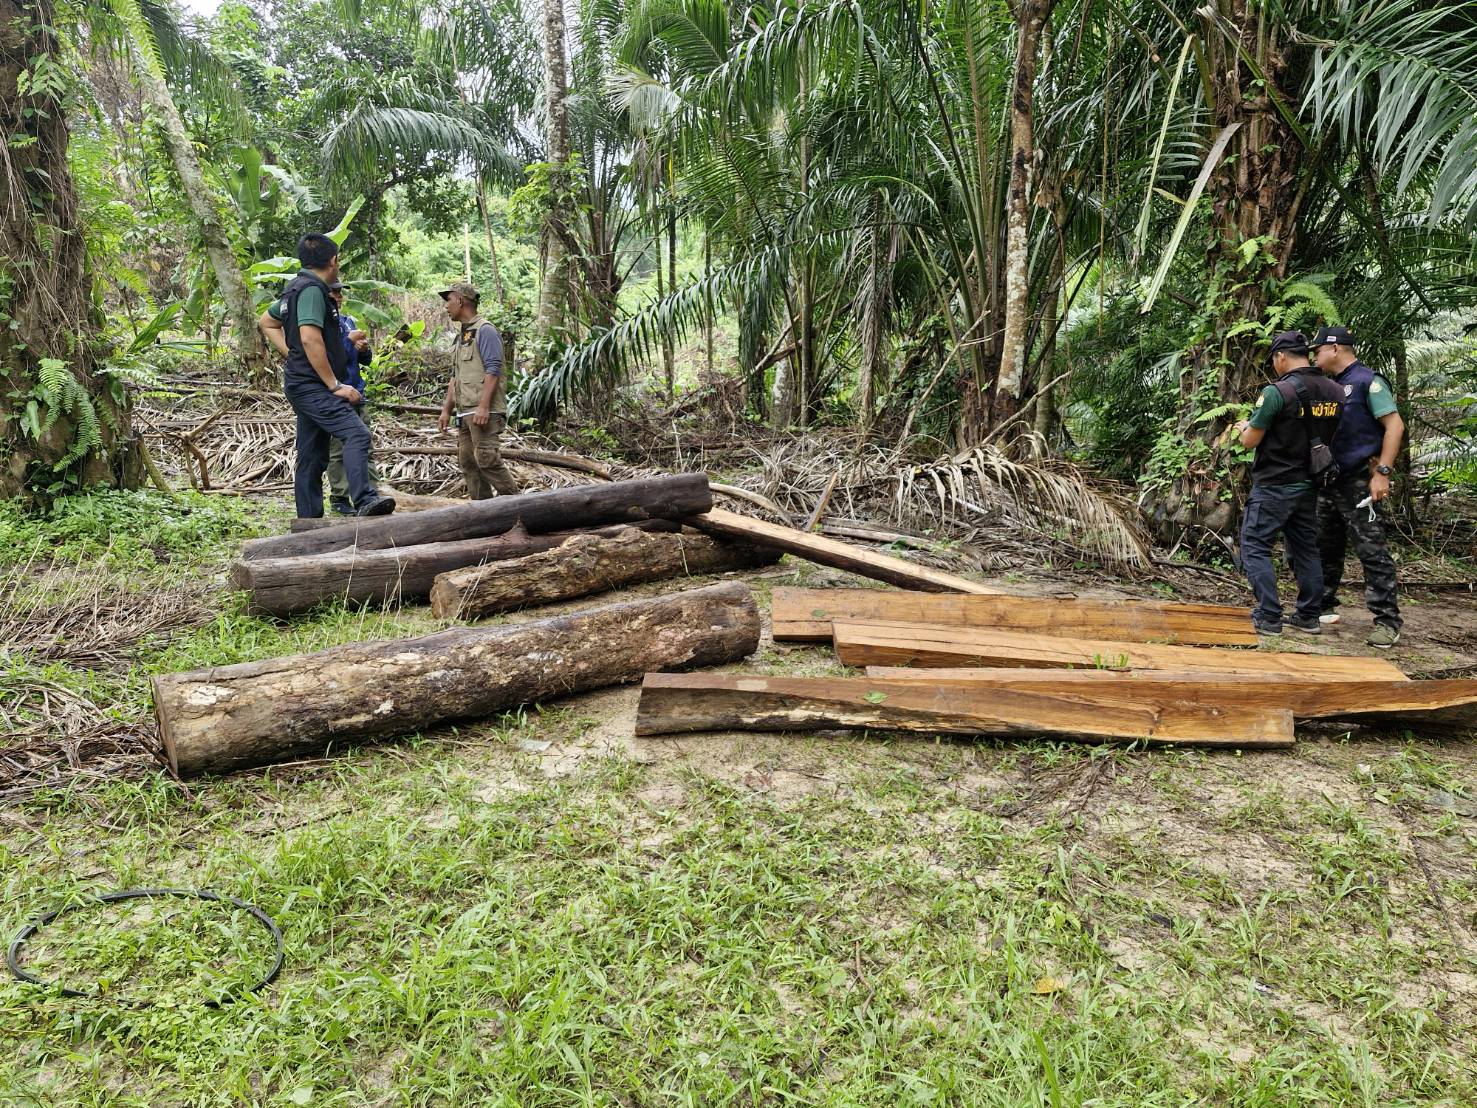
point(805, 615)
point(860, 643)
point(675, 703)
point(586, 564)
point(841, 555)
point(255, 713)
point(281, 586)
point(673, 497)
point(1448, 705)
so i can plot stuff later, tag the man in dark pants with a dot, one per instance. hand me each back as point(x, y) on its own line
point(1365, 448)
point(357, 355)
point(1282, 497)
point(303, 326)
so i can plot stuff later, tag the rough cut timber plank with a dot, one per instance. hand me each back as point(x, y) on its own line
point(282, 586)
point(840, 555)
point(1448, 705)
point(805, 615)
point(677, 703)
point(255, 713)
point(586, 564)
point(567, 509)
point(876, 643)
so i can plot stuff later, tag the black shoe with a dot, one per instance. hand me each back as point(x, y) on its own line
point(1266, 628)
point(1308, 625)
point(342, 507)
point(376, 505)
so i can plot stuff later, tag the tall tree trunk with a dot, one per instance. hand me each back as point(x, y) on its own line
point(1045, 415)
point(554, 290)
point(1031, 19)
point(47, 321)
point(1400, 363)
point(251, 350)
point(1256, 193)
point(497, 276)
point(708, 296)
point(668, 350)
point(661, 291)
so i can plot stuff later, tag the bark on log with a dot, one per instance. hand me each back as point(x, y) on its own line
point(672, 497)
point(675, 703)
point(282, 586)
point(586, 564)
point(255, 713)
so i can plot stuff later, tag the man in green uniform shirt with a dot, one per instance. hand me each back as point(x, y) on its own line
point(1301, 405)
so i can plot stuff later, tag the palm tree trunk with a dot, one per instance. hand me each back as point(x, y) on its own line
point(50, 328)
point(554, 290)
point(1031, 19)
point(1256, 193)
point(251, 351)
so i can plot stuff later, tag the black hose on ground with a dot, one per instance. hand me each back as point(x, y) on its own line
point(12, 953)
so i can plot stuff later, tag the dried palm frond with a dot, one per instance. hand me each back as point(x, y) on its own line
point(982, 485)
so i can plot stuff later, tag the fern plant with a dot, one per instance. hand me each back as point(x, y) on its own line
point(58, 392)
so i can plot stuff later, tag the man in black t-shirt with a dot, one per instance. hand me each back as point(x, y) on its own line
point(1283, 500)
point(303, 327)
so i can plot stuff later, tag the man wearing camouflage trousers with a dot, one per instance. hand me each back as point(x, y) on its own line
point(1365, 447)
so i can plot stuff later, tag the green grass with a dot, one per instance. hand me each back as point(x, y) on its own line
point(474, 917)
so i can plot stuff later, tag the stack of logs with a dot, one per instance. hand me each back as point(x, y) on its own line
point(941, 654)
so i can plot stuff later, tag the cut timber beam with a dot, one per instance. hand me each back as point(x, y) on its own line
point(840, 555)
point(676, 703)
point(873, 643)
point(1449, 705)
point(588, 564)
point(282, 586)
point(540, 512)
point(255, 713)
point(805, 615)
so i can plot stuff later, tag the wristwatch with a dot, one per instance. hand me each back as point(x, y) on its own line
point(1384, 471)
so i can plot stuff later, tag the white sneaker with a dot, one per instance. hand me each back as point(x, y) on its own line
point(1328, 617)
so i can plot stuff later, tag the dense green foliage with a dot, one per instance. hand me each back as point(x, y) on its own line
point(835, 179)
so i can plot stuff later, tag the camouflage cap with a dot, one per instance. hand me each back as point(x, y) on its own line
point(462, 289)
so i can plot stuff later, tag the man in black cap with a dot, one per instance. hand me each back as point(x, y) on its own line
point(1365, 448)
point(1302, 406)
point(303, 327)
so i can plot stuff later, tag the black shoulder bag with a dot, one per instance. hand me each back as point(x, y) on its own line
point(1321, 464)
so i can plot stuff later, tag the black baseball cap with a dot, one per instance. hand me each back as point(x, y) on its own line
point(337, 286)
point(1294, 342)
point(1337, 336)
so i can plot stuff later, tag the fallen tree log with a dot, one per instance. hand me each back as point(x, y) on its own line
point(805, 615)
point(672, 497)
point(841, 555)
point(677, 703)
point(282, 586)
point(586, 564)
point(876, 643)
point(1446, 705)
point(255, 713)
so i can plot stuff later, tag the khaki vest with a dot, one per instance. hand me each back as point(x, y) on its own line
point(467, 364)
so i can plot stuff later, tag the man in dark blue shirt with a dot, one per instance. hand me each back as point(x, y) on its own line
point(303, 327)
point(358, 354)
point(1366, 446)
